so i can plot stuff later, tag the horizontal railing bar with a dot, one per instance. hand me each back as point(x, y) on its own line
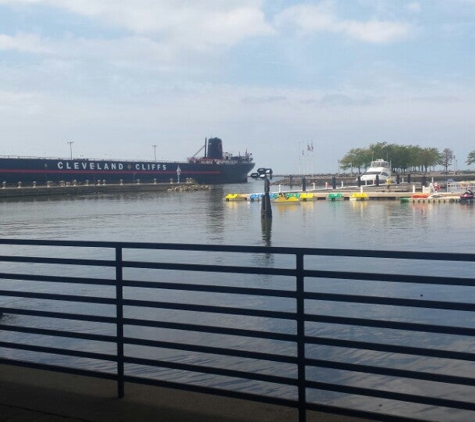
point(58, 351)
point(209, 268)
point(210, 289)
point(58, 261)
point(392, 395)
point(73, 243)
point(157, 363)
point(378, 300)
point(211, 329)
point(212, 391)
point(391, 348)
point(394, 278)
point(58, 333)
point(362, 253)
point(58, 279)
point(407, 255)
point(392, 372)
point(212, 350)
point(452, 281)
point(206, 248)
point(406, 326)
point(60, 315)
point(59, 297)
point(210, 309)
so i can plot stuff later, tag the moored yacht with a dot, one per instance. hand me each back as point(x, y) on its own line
point(380, 168)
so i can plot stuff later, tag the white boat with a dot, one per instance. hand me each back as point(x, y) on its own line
point(380, 168)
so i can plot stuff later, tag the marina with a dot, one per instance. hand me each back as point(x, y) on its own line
point(352, 195)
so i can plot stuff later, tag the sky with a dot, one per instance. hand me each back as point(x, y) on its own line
point(271, 77)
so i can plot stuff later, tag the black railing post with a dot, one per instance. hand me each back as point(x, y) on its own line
point(120, 321)
point(302, 399)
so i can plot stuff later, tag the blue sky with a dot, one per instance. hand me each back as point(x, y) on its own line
point(271, 76)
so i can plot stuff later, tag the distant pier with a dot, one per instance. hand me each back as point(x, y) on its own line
point(50, 190)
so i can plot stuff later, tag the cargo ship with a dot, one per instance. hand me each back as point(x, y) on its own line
point(215, 167)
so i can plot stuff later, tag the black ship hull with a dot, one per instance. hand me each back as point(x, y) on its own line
point(211, 169)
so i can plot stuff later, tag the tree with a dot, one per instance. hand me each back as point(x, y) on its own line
point(429, 157)
point(402, 157)
point(355, 158)
point(470, 158)
point(380, 150)
point(446, 159)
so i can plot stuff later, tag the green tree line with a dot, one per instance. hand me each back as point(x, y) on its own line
point(403, 158)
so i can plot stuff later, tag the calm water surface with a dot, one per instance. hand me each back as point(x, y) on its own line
point(205, 217)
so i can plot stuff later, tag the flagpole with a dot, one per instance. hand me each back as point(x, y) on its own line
point(300, 148)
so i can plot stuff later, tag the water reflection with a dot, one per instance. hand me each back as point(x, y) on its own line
point(215, 211)
point(266, 227)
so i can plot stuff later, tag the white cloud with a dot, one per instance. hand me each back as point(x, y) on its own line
point(195, 24)
point(164, 33)
point(374, 31)
point(29, 43)
point(123, 51)
point(320, 18)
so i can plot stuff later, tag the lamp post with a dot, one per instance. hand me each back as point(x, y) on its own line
point(154, 152)
point(71, 148)
point(266, 175)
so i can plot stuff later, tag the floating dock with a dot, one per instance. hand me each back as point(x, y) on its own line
point(409, 197)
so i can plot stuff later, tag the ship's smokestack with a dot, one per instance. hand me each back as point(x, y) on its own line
point(215, 148)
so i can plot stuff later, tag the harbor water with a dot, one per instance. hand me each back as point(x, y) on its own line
point(204, 217)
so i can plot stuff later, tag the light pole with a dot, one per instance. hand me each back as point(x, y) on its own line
point(266, 175)
point(71, 148)
point(154, 152)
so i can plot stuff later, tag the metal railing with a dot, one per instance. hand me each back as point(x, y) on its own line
point(372, 334)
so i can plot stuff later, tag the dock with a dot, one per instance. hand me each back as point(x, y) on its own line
point(345, 195)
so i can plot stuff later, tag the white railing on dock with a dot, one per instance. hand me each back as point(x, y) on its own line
point(461, 186)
